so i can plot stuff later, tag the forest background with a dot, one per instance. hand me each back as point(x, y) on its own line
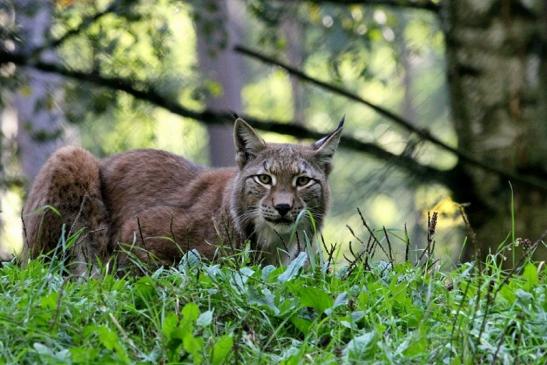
point(445, 101)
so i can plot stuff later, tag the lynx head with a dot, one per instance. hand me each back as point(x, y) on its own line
point(276, 182)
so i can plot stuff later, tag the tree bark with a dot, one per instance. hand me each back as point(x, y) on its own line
point(38, 101)
point(496, 54)
point(218, 30)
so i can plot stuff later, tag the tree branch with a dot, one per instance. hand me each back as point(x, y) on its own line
point(423, 133)
point(142, 91)
point(409, 4)
point(84, 24)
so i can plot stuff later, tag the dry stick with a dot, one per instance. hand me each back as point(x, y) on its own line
point(370, 251)
point(351, 251)
point(354, 235)
point(353, 264)
point(330, 253)
point(144, 91)
point(407, 248)
point(388, 246)
point(371, 233)
point(470, 230)
point(330, 257)
point(421, 132)
point(365, 251)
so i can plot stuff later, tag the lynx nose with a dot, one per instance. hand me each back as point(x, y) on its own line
point(282, 209)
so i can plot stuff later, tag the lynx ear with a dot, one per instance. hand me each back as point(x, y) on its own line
point(326, 146)
point(247, 143)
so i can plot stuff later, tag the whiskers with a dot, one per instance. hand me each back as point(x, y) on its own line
point(248, 216)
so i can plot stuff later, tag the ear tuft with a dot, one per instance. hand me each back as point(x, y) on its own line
point(326, 146)
point(247, 142)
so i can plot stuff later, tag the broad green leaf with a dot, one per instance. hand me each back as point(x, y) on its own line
point(341, 299)
point(416, 347)
point(190, 312)
point(193, 345)
point(508, 293)
point(111, 341)
point(360, 347)
point(302, 324)
point(530, 274)
point(221, 349)
point(108, 338)
point(315, 298)
point(205, 319)
point(49, 301)
point(145, 288)
point(266, 271)
point(169, 324)
point(294, 267)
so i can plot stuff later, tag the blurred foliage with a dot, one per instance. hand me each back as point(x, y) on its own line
point(359, 47)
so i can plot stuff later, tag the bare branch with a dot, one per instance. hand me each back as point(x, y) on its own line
point(423, 133)
point(408, 4)
point(145, 92)
point(84, 24)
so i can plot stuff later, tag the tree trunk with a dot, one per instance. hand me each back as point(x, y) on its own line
point(496, 55)
point(218, 31)
point(294, 33)
point(408, 111)
point(38, 100)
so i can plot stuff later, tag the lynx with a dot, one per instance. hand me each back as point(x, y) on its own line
point(159, 205)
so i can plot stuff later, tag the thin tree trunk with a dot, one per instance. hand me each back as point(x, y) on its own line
point(218, 30)
point(2, 182)
point(294, 33)
point(495, 53)
point(38, 101)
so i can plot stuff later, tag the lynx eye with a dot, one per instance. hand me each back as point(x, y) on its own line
point(302, 181)
point(264, 179)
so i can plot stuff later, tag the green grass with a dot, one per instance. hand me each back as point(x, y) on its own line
point(230, 312)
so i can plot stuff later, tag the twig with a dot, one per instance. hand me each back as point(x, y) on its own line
point(388, 246)
point(407, 248)
point(84, 24)
point(407, 4)
point(372, 233)
point(330, 253)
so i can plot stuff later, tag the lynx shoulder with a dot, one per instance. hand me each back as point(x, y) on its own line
point(156, 205)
